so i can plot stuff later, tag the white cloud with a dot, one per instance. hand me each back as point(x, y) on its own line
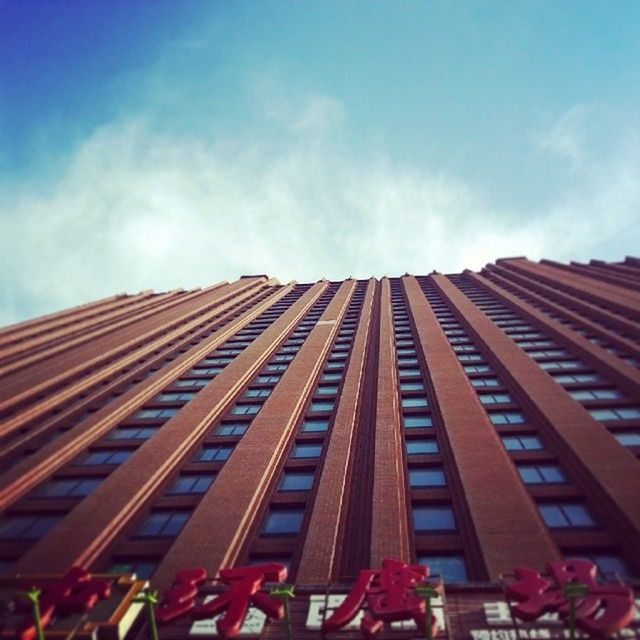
point(136, 210)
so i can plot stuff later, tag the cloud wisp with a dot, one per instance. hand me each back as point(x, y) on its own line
point(140, 209)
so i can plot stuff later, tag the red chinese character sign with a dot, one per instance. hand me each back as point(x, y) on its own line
point(76, 592)
point(603, 611)
point(390, 596)
point(244, 591)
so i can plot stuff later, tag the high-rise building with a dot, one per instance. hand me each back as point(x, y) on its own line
point(474, 423)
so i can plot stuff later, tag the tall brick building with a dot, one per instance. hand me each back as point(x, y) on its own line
point(471, 422)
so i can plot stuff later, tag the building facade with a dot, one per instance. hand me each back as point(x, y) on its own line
point(473, 422)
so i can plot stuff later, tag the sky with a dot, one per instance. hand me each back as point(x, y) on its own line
point(163, 144)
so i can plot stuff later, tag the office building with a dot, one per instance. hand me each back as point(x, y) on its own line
point(473, 422)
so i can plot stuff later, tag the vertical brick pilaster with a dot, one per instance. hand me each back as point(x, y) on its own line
point(218, 528)
point(390, 528)
point(90, 527)
point(505, 520)
point(323, 545)
point(609, 473)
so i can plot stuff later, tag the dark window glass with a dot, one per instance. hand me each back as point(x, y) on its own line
point(310, 426)
point(283, 522)
point(26, 527)
point(450, 568)
point(421, 447)
point(566, 515)
point(163, 524)
point(214, 453)
point(433, 518)
point(426, 478)
point(522, 443)
point(71, 488)
point(296, 481)
point(306, 451)
point(191, 484)
point(541, 474)
point(412, 422)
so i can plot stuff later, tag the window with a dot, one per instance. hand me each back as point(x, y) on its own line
point(334, 365)
point(106, 456)
point(470, 357)
point(507, 417)
point(414, 422)
point(406, 373)
point(276, 367)
point(550, 353)
point(541, 474)
point(26, 527)
point(146, 414)
point(283, 522)
point(414, 402)
point(257, 393)
point(312, 426)
point(71, 488)
point(495, 398)
point(616, 413)
point(522, 443)
point(143, 570)
point(283, 357)
point(214, 453)
point(306, 451)
point(268, 379)
point(163, 524)
point(196, 483)
point(296, 481)
point(191, 383)
point(563, 515)
point(477, 368)
point(211, 371)
point(450, 568)
point(464, 348)
point(404, 362)
point(411, 386)
point(485, 382)
point(331, 377)
point(176, 397)
point(246, 409)
point(232, 429)
point(321, 406)
point(562, 364)
point(596, 394)
point(132, 433)
point(421, 447)
point(426, 478)
point(327, 390)
point(433, 518)
point(629, 439)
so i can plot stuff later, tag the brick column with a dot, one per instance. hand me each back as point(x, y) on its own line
point(390, 527)
point(322, 546)
point(507, 525)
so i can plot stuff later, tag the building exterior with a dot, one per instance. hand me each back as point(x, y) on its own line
point(474, 423)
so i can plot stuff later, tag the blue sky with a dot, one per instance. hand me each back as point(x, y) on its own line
point(175, 143)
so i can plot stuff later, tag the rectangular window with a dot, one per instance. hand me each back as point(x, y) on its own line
point(132, 433)
point(313, 426)
point(163, 524)
point(257, 393)
point(449, 568)
point(433, 518)
point(283, 522)
point(214, 453)
point(507, 417)
point(246, 409)
point(296, 481)
point(327, 390)
point(541, 474)
point(268, 379)
point(495, 398)
point(469, 357)
point(147, 414)
point(426, 478)
point(628, 439)
point(106, 456)
point(71, 488)
point(564, 515)
point(411, 386)
point(562, 364)
point(522, 443)
point(407, 373)
point(276, 367)
point(176, 397)
point(477, 368)
point(414, 422)
point(232, 429)
point(331, 377)
point(306, 451)
point(186, 484)
point(334, 365)
point(414, 402)
point(485, 382)
point(26, 527)
point(616, 413)
point(283, 357)
point(421, 447)
point(321, 406)
point(596, 394)
point(191, 383)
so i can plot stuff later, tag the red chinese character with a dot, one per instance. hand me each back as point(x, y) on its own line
point(606, 609)
point(390, 596)
point(244, 586)
point(74, 593)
